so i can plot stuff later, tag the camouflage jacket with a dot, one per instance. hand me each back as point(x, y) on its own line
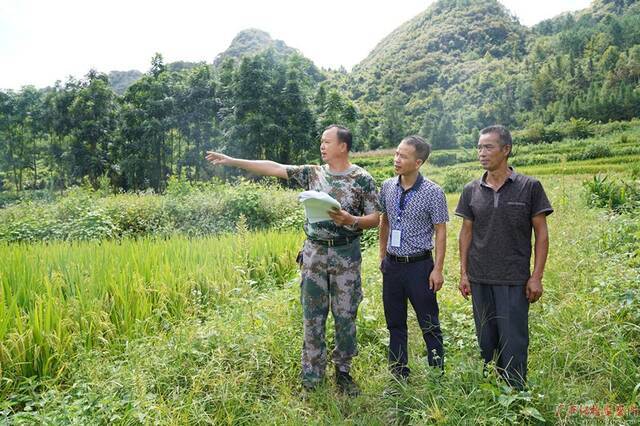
point(354, 189)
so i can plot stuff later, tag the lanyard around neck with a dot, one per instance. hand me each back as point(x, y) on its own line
point(405, 198)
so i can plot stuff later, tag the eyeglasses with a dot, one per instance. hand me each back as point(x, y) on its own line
point(487, 148)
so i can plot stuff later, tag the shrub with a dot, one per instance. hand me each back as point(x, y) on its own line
point(8, 198)
point(467, 156)
point(369, 238)
point(614, 195)
point(190, 209)
point(178, 186)
point(614, 127)
point(199, 214)
point(596, 150)
point(455, 180)
point(537, 133)
point(258, 203)
point(577, 128)
point(93, 225)
point(138, 215)
point(530, 160)
point(622, 236)
point(28, 223)
point(442, 159)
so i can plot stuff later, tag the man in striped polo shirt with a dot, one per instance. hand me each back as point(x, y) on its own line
point(413, 209)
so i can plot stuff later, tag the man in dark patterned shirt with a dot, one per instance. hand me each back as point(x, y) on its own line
point(413, 208)
point(499, 212)
point(331, 255)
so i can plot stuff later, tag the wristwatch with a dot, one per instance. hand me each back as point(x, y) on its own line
point(355, 223)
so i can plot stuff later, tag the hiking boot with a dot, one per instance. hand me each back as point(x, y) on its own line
point(307, 390)
point(345, 383)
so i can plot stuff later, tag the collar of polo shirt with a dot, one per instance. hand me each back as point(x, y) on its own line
point(416, 184)
point(511, 177)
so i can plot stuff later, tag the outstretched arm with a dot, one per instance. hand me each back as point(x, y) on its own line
point(260, 167)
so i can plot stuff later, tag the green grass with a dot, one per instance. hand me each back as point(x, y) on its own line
point(616, 152)
point(584, 167)
point(58, 299)
point(232, 357)
point(208, 330)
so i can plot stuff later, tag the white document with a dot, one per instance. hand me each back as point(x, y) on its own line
point(317, 205)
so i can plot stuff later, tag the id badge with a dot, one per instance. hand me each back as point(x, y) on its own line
point(395, 237)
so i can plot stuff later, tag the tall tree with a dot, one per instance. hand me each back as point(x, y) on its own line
point(148, 116)
point(197, 110)
point(392, 127)
point(443, 134)
point(22, 133)
point(93, 112)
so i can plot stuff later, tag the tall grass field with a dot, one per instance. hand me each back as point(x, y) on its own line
point(177, 327)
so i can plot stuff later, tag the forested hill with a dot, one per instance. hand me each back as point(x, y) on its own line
point(600, 9)
point(453, 69)
point(121, 80)
point(462, 64)
point(440, 46)
point(251, 42)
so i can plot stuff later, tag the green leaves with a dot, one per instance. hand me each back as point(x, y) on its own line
point(188, 209)
point(601, 191)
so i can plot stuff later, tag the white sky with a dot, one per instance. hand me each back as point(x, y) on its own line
point(42, 41)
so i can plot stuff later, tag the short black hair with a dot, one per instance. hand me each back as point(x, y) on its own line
point(504, 136)
point(422, 147)
point(502, 132)
point(344, 134)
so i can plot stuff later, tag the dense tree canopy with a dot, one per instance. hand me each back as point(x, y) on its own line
point(486, 68)
point(457, 67)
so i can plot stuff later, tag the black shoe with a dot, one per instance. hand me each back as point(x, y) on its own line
point(308, 387)
point(400, 373)
point(307, 390)
point(345, 383)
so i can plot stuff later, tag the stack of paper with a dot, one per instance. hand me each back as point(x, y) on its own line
point(317, 205)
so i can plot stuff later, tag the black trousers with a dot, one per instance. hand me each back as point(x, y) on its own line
point(501, 315)
point(410, 281)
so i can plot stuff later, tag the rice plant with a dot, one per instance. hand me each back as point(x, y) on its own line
point(59, 298)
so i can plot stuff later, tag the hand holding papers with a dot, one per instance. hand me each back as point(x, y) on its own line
point(317, 205)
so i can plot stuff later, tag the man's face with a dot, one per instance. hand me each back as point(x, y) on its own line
point(405, 160)
point(490, 153)
point(330, 146)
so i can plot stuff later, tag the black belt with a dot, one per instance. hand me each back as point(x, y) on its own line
point(410, 259)
point(334, 242)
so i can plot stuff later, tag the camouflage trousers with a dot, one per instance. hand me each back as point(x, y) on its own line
point(330, 279)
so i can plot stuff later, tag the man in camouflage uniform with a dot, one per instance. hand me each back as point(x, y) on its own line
point(331, 254)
